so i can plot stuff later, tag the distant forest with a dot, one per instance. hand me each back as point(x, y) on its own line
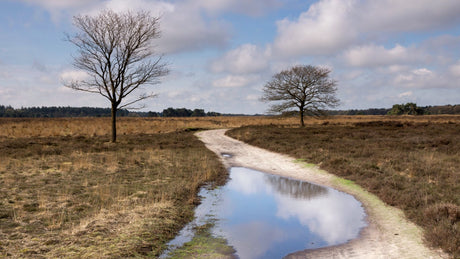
point(56, 112)
point(403, 109)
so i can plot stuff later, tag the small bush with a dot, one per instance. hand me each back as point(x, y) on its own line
point(445, 231)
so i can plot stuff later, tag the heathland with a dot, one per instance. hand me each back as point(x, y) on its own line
point(65, 191)
point(411, 163)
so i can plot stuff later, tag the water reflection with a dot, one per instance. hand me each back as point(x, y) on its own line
point(267, 216)
point(294, 188)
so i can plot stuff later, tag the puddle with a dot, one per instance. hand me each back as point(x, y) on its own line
point(267, 216)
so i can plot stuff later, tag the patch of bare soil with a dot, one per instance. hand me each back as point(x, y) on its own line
point(388, 234)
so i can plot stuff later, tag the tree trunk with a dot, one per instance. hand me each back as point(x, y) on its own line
point(302, 124)
point(114, 123)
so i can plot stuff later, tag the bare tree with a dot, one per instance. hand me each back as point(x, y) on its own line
point(116, 51)
point(307, 88)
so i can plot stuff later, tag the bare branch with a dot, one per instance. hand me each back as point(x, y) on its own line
point(115, 49)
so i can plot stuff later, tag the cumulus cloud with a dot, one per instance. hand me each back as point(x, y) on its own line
point(183, 25)
point(234, 81)
point(247, 58)
point(323, 29)
point(157, 8)
point(56, 8)
point(455, 69)
point(329, 26)
point(373, 55)
point(405, 94)
point(27, 86)
point(184, 29)
point(424, 78)
point(408, 15)
point(248, 7)
point(58, 5)
point(73, 75)
point(415, 76)
point(252, 97)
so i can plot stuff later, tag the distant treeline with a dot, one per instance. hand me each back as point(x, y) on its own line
point(57, 112)
point(402, 109)
point(183, 112)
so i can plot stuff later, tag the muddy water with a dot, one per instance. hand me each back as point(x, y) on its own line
point(268, 216)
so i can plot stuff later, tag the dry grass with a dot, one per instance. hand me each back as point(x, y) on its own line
point(411, 163)
point(44, 127)
point(83, 197)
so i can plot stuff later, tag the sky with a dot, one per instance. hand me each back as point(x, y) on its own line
point(222, 52)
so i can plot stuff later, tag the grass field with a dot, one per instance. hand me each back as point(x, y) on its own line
point(65, 191)
point(91, 127)
point(409, 163)
point(82, 197)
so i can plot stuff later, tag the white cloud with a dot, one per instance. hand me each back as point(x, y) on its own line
point(405, 94)
point(56, 8)
point(391, 69)
point(73, 75)
point(249, 7)
point(423, 78)
point(455, 69)
point(407, 15)
point(245, 59)
point(423, 72)
point(234, 81)
point(184, 29)
point(252, 97)
point(27, 86)
point(329, 26)
point(183, 26)
point(323, 29)
point(58, 4)
point(412, 78)
point(372, 56)
point(156, 8)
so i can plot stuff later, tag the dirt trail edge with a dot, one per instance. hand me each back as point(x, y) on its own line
point(388, 234)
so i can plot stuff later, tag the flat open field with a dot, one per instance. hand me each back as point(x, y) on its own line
point(42, 127)
point(66, 192)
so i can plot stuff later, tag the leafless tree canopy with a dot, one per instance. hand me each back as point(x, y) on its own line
point(116, 50)
point(307, 88)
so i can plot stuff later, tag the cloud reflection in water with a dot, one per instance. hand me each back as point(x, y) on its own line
point(268, 216)
point(290, 209)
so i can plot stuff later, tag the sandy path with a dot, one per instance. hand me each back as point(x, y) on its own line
point(388, 235)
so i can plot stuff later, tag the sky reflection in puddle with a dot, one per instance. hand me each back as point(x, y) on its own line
point(268, 216)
